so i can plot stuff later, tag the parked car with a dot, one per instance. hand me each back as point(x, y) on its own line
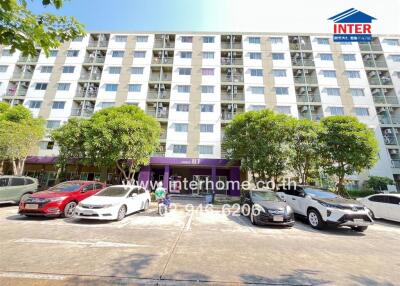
point(265, 207)
point(15, 188)
point(322, 207)
point(114, 203)
point(59, 200)
point(386, 206)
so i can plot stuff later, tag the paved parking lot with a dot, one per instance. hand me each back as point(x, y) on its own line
point(185, 248)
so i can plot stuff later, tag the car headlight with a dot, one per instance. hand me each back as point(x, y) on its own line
point(58, 199)
point(259, 208)
point(289, 210)
point(330, 205)
point(368, 211)
point(106, 206)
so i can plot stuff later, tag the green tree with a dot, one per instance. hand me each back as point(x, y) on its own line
point(347, 146)
point(304, 150)
point(378, 183)
point(261, 141)
point(23, 30)
point(19, 135)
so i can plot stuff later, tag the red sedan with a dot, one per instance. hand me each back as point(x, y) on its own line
point(59, 200)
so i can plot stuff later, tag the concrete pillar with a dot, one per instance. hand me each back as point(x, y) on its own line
point(214, 176)
point(234, 176)
point(166, 177)
point(144, 177)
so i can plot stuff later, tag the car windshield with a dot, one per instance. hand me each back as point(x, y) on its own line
point(113, 192)
point(265, 196)
point(66, 187)
point(315, 193)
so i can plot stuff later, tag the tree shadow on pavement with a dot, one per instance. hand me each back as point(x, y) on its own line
point(297, 277)
point(362, 280)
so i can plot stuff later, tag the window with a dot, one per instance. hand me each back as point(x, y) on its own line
point(4, 182)
point(206, 107)
point(357, 92)
point(257, 89)
point(207, 71)
point(114, 70)
point(17, 181)
point(6, 53)
point(142, 39)
point(323, 41)
point(207, 128)
point(393, 200)
point(255, 56)
point(208, 55)
point(68, 69)
point(181, 127)
point(137, 70)
point(282, 90)
point(279, 73)
point(185, 71)
point(361, 111)
point(179, 149)
point(207, 89)
point(121, 39)
point(329, 73)
point(326, 57)
point(349, 57)
point(111, 87)
point(134, 87)
point(333, 91)
point(278, 56)
point(391, 42)
point(41, 86)
point(46, 69)
point(254, 40)
point(139, 54)
point(34, 104)
point(208, 40)
point(395, 58)
point(72, 53)
point(283, 109)
point(3, 68)
point(186, 39)
point(58, 104)
point(183, 88)
point(180, 107)
point(186, 55)
point(117, 54)
point(52, 124)
point(107, 104)
point(53, 53)
point(257, 107)
point(276, 40)
point(336, 110)
point(379, 199)
point(353, 74)
point(256, 72)
point(63, 86)
point(206, 149)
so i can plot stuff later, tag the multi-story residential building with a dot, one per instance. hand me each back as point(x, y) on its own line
point(195, 83)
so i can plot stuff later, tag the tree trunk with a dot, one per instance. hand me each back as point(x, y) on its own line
point(340, 187)
point(1, 167)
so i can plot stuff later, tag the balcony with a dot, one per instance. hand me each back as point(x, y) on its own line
point(233, 46)
point(303, 62)
point(375, 64)
point(390, 139)
point(155, 95)
point(370, 47)
point(231, 78)
point(94, 60)
point(98, 44)
point(305, 80)
point(386, 99)
point(162, 60)
point(161, 77)
point(22, 75)
point(239, 96)
point(160, 44)
point(311, 116)
point(23, 59)
point(160, 114)
point(87, 94)
point(83, 112)
point(379, 81)
point(297, 46)
point(308, 98)
point(396, 163)
point(88, 76)
point(231, 61)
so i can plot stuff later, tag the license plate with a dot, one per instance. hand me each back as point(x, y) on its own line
point(359, 221)
point(87, 213)
point(31, 206)
point(278, 218)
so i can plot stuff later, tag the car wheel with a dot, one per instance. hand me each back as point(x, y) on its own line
point(121, 213)
point(24, 196)
point(252, 218)
point(69, 209)
point(146, 205)
point(359, 228)
point(245, 210)
point(314, 219)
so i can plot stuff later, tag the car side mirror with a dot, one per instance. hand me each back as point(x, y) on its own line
point(134, 195)
point(307, 196)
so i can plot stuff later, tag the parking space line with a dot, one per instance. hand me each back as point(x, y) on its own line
point(97, 244)
point(189, 222)
point(31, 276)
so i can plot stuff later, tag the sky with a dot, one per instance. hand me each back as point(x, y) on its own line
point(223, 15)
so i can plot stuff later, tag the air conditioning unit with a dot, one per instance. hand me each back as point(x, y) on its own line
point(162, 87)
point(388, 131)
point(302, 90)
point(228, 88)
point(372, 73)
point(304, 109)
point(155, 86)
point(234, 54)
point(228, 37)
point(299, 72)
point(375, 91)
point(380, 109)
point(393, 151)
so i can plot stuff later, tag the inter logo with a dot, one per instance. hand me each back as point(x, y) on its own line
point(352, 26)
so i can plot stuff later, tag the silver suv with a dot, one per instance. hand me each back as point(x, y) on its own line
point(15, 188)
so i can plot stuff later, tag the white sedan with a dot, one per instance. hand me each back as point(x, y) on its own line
point(113, 203)
point(386, 206)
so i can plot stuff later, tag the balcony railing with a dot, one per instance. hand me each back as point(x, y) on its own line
point(158, 95)
point(370, 47)
point(84, 112)
point(297, 46)
point(379, 81)
point(375, 64)
point(22, 75)
point(308, 98)
point(88, 76)
point(232, 78)
point(239, 96)
point(390, 99)
point(390, 140)
point(159, 114)
point(396, 163)
point(28, 59)
point(20, 92)
point(160, 44)
point(97, 60)
point(99, 44)
point(304, 62)
point(162, 61)
point(90, 94)
point(312, 116)
point(231, 61)
point(161, 77)
point(305, 79)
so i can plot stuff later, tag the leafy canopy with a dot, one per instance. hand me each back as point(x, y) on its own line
point(23, 30)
